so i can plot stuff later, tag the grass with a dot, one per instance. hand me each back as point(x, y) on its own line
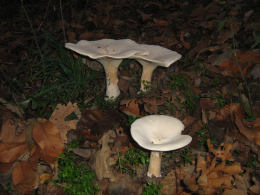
point(61, 78)
point(130, 120)
point(203, 136)
point(179, 82)
point(147, 86)
point(221, 100)
point(76, 179)
point(185, 156)
point(152, 189)
point(103, 104)
point(133, 158)
point(252, 163)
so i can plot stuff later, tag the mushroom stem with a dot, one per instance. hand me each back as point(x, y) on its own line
point(148, 68)
point(111, 69)
point(155, 164)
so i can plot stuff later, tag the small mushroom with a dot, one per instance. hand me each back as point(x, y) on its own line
point(157, 56)
point(158, 133)
point(109, 53)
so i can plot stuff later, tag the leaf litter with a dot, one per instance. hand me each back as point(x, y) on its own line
point(214, 90)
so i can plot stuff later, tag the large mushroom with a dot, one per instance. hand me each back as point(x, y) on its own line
point(156, 56)
point(158, 133)
point(109, 53)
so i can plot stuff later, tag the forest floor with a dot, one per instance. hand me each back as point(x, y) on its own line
point(58, 133)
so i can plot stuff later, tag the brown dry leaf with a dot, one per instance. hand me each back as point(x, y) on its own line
point(245, 60)
point(47, 137)
point(5, 167)
point(184, 43)
point(252, 134)
point(222, 152)
point(233, 169)
point(169, 183)
point(152, 103)
point(160, 22)
point(35, 154)
point(91, 36)
point(256, 187)
point(77, 26)
point(59, 115)
point(11, 152)
point(86, 134)
point(201, 164)
point(228, 33)
point(144, 16)
point(24, 178)
point(44, 177)
point(229, 111)
point(207, 103)
point(8, 133)
point(253, 124)
point(103, 159)
point(214, 175)
point(225, 182)
point(130, 107)
point(188, 121)
point(15, 109)
point(71, 36)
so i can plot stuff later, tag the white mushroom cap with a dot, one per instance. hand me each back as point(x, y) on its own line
point(119, 49)
point(157, 56)
point(159, 133)
point(109, 53)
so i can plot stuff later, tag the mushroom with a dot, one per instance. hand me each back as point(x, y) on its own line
point(109, 53)
point(156, 56)
point(158, 133)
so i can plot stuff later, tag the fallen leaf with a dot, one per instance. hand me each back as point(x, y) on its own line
point(91, 36)
point(71, 36)
point(252, 134)
point(230, 110)
point(47, 137)
point(160, 22)
point(243, 60)
point(225, 182)
point(228, 33)
point(169, 183)
point(103, 159)
point(233, 169)
point(24, 178)
point(44, 177)
point(8, 133)
point(207, 103)
point(130, 107)
point(15, 109)
point(11, 152)
point(5, 167)
point(58, 118)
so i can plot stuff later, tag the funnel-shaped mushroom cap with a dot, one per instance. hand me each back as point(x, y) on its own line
point(159, 133)
point(158, 55)
point(112, 48)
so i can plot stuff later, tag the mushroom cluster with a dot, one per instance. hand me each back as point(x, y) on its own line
point(111, 52)
point(158, 133)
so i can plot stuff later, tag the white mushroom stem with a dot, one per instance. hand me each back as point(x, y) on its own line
point(155, 164)
point(111, 69)
point(148, 68)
